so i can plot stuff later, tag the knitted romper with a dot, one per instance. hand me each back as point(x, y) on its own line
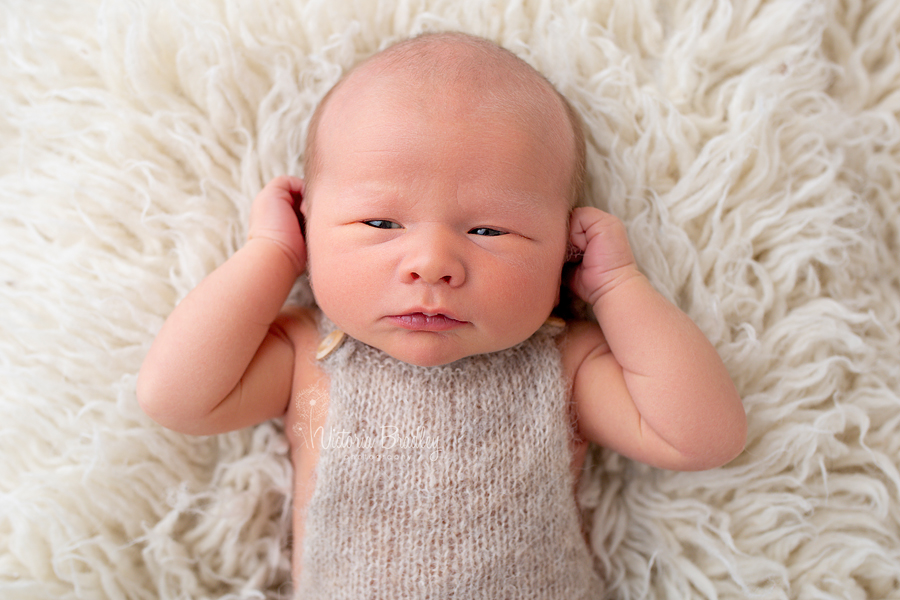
point(446, 482)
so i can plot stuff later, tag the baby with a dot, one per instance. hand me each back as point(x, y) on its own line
point(438, 415)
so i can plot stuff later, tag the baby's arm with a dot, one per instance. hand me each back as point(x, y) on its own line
point(221, 361)
point(646, 383)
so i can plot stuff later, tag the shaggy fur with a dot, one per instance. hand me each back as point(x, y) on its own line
point(752, 147)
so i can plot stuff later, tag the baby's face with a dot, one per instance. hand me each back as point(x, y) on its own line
point(435, 231)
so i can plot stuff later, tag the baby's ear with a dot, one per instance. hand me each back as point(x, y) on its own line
point(574, 254)
point(298, 195)
point(300, 201)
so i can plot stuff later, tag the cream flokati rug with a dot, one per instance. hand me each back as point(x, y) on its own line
point(753, 149)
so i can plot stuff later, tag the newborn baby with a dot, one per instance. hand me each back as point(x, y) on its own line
point(438, 414)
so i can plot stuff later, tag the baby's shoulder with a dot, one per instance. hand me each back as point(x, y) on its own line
point(299, 317)
point(580, 340)
point(299, 326)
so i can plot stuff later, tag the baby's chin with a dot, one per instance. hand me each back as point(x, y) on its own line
point(425, 349)
point(429, 359)
point(419, 351)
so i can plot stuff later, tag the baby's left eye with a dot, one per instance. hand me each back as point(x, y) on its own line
point(486, 231)
point(381, 224)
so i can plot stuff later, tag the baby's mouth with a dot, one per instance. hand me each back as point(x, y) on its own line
point(419, 321)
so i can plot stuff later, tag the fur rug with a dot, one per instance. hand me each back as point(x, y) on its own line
point(752, 147)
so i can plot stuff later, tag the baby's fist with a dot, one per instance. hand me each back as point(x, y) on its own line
point(273, 216)
point(607, 261)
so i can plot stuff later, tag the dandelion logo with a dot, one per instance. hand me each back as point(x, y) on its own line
point(311, 406)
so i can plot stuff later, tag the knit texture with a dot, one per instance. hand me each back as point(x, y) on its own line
point(446, 482)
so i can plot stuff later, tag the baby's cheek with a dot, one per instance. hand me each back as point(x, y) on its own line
point(319, 261)
point(339, 285)
point(528, 297)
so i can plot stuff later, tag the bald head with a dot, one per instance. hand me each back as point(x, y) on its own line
point(434, 69)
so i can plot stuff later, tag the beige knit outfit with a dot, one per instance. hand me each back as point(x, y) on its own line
point(446, 482)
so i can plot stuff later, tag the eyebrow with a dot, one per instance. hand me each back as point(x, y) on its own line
point(518, 200)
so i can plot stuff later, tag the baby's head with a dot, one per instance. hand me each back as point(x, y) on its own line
point(439, 180)
point(446, 61)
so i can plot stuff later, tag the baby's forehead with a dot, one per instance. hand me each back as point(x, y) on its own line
point(473, 73)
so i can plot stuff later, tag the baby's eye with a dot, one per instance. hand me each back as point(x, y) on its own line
point(382, 224)
point(486, 231)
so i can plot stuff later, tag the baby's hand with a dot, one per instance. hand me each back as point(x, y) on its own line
point(607, 261)
point(274, 216)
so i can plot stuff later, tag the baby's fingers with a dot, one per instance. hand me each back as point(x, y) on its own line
point(284, 188)
point(275, 216)
point(276, 205)
point(602, 239)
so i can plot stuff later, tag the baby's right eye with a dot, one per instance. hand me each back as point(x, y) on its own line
point(382, 224)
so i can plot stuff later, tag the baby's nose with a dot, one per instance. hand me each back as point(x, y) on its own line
point(435, 258)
